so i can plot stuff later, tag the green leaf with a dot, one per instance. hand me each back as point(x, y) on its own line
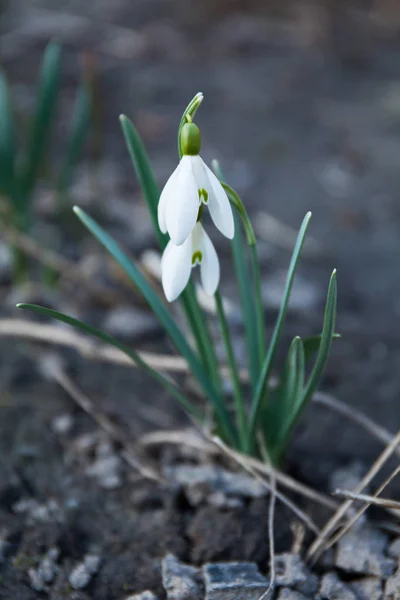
point(105, 337)
point(47, 96)
point(271, 353)
point(7, 140)
point(164, 316)
point(144, 172)
point(312, 344)
point(290, 419)
point(283, 404)
point(326, 340)
point(79, 130)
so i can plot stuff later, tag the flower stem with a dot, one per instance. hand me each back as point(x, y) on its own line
point(237, 393)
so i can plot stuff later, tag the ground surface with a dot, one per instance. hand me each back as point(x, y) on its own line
point(302, 118)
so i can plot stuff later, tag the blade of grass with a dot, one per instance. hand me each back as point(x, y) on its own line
point(105, 337)
point(145, 174)
point(269, 359)
point(247, 296)
point(80, 124)
point(240, 411)
point(300, 401)
point(47, 95)
point(165, 318)
point(7, 140)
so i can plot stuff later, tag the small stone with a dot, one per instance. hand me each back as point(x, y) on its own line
point(363, 551)
point(146, 595)
point(394, 548)
point(46, 571)
point(233, 581)
point(213, 485)
point(106, 467)
point(288, 594)
point(292, 572)
point(84, 571)
point(367, 588)
point(180, 581)
point(334, 589)
point(305, 294)
point(130, 322)
point(392, 587)
point(62, 424)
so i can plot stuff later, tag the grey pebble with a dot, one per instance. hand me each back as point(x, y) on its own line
point(363, 551)
point(180, 581)
point(332, 588)
point(367, 588)
point(213, 485)
point(146, 595)
point(292, 572)
point(130, 322)
point(288, 594)
point(46, 571)
point(233, 581)
point(80, 577)
point(394, 548)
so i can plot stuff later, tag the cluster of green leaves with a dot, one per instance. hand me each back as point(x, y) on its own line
point(20, 169)
point(261, 416)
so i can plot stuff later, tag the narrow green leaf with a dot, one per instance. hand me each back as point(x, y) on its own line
point(312, 344)
point(271, 353)
point(326, 340)
point(105, 337)
point(164, 316)
point(245, 284)
point(302, 399)
point(79, 130)
point(7, 140)
point(144, 172)
point(47, 95)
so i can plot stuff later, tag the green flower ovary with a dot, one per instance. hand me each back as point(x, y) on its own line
point(197, 257)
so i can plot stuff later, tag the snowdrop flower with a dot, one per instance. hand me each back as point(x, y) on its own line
point(191, 185)
point(177, 263)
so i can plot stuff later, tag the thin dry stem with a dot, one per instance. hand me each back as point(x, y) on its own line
point(384, 502)
point(245, 464)
point(102, 421)
point(317, 547)
point(370, 500)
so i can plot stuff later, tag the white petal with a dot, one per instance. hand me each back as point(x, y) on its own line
point(176, 265)
point(200, 173)
point(166, 195)
point(209, 267)
point(219, 206)
point(183, 204)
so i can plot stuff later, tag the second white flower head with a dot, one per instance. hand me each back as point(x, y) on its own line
point(177, 263)
point(190, 185)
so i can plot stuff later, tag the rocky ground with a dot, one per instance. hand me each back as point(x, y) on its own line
point(303, 113)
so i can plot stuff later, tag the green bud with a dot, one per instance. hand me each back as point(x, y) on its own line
point(190, 139)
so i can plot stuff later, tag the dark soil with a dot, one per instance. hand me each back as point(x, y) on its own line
point(302, 119)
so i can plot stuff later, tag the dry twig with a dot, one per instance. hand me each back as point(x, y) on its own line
point(319, 544)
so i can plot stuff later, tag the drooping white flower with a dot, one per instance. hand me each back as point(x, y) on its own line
point(191, 185)
point(177, 263)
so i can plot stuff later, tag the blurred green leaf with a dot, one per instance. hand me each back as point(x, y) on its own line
point(144, 172)
point(108, 339)
point(79, 130)
point(47, 96)
point(7, 140)
point(165, 318)
point(312, 345)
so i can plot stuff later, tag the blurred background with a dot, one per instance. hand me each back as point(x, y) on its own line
point(302, 108)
